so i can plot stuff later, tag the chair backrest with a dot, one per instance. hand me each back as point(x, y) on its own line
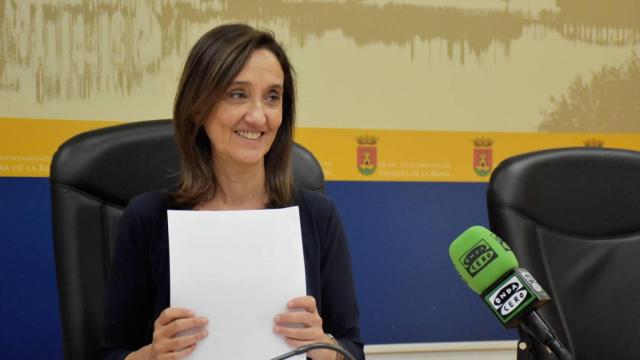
point(572, 216)
point(93, 177)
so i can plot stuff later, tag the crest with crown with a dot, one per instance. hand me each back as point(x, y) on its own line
point(367, 154)
point(482, 155)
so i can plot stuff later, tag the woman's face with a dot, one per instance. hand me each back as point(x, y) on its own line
point(244, 123)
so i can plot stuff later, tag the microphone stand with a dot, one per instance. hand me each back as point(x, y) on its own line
point(306, 348)
point(536, 329)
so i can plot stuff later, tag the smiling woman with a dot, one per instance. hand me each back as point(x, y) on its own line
point(234, 119)
point(234, 78)
point(244, 123)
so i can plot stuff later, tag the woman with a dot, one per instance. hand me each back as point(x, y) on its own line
point(234, 120)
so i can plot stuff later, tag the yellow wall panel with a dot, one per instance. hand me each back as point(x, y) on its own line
point(28, 144)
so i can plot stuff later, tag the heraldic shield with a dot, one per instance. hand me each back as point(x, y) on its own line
point(482, 161)
point(482, 156)
point(367, 159)
point(367, 154)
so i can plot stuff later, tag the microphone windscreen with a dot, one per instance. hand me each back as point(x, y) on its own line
point(481, 257)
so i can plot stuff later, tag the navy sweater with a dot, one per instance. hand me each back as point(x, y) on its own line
point(139, 277)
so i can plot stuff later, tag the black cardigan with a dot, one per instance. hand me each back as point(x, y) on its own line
point(139, 277)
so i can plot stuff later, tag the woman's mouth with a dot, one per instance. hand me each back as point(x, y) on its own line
point(251, 135)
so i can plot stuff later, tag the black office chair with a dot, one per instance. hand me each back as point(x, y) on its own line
point(572, 216)
point(93, 177)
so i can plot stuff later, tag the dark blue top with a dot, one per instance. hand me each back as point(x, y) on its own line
point(139, 277)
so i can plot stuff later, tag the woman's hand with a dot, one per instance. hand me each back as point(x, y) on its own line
point(302, 325)
point(168, 343)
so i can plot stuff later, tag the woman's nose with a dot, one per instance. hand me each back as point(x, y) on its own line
point(256, 113)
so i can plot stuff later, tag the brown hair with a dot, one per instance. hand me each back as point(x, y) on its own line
point(214, 61)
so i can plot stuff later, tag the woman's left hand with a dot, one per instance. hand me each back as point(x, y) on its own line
point(302, 325)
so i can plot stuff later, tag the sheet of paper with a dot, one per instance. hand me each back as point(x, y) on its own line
point(238, 268)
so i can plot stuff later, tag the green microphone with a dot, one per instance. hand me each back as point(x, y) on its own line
point(490, 268)
point(481, 258)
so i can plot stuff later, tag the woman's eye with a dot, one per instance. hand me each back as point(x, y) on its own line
point(237, 95)
point(273, 97)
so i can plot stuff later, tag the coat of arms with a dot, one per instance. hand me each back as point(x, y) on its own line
point(367, 154)
point(482, 156)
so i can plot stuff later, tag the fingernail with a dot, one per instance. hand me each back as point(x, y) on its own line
point(277, 318)
point(205, 333)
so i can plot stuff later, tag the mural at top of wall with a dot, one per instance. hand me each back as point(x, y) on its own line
point(424, 65)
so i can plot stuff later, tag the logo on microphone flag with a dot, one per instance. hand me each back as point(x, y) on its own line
point(367, 154)
point(478, 257)
point(509, 296)
point(482, 156)
point(514, 295)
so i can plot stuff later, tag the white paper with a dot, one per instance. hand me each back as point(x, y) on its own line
point(239, 269)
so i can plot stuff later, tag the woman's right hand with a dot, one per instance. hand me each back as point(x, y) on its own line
point(168, 342)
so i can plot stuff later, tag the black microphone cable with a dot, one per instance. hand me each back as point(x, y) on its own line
point(305, 348)
point(538, 329)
